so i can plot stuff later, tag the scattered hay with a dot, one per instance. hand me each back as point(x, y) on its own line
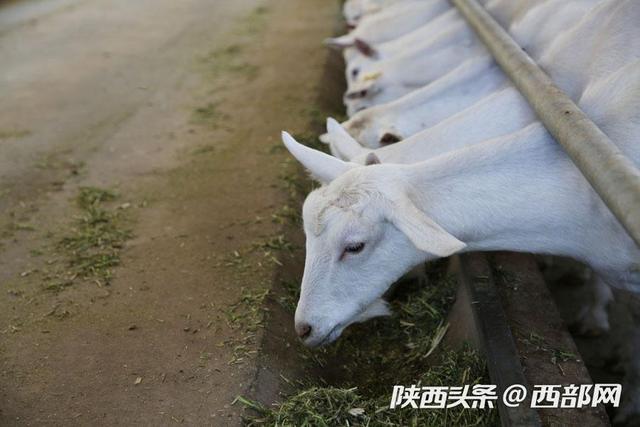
point(14, 133)
point(230, 59)
point(246, 260)
point(275, 243)
point(286, 214)
point(255, 22)
point(247, 316)
point(360, 368)
point(204, 149)
point(539, 344)
point(94, 243)
point(9, 230)
point(209, 115)
point(333, 406)
point(248, 313)
point(363, 365)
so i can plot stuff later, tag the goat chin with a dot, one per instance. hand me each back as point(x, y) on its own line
point(378, 308)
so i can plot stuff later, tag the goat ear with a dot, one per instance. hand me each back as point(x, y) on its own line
point(323, 167)
point(371, 159)
point(422, 231)
point(365, 48)
point(339, 43)
point(340, 140)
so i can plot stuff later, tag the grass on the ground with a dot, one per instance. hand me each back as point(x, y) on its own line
point(369, 359)
point(94, 243)
point(246, 316)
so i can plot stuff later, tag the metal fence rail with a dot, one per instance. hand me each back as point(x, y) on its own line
point(613, 176)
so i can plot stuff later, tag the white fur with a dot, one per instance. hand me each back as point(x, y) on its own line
point(427, 106)
point(473, 79)
point(450, 27)
point(476, 78)
point(518, 192)
point(500, 113)
point(356, 10)
point(569, 218)
point(407, 64)
point(416, 67)
point(356, 62)
point(392, 22)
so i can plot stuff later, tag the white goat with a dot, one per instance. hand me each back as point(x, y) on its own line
point(394, 121)
point(364, 53)
point(529, 31)
point(505, 111)
point(392, 22)
point(398, 120)
point(499, 113)
point(429, 53)
point(355, 10)
point(371, 224)
point(609, 33)
point(416, 67)
point(609, 90)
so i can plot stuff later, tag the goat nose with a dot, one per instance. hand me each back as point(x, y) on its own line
point(303, 330)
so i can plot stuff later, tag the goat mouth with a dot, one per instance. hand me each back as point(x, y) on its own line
point(336, 331)
point(331, 336)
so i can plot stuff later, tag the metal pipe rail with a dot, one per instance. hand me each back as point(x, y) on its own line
point(612, 175)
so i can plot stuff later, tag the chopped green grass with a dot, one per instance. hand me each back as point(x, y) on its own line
point(94, 243)
point(247, 316)
point(358, 371)
point(538, 343)
point(276, 243)
point(209, 114)
point(271, 246)
point(36, 252)
point(91, 197)
point(57, 286)
point(286, 214)
point(14, 134)
point(362, 366)
point(204, 149)
point(230, 60)
point(254, 22)
point(247, 313)
point(236, 260)
point(335, 406)
point(23, 226)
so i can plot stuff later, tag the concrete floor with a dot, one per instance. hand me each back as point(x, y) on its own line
point(111, 94)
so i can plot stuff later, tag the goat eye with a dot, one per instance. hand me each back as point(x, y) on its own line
point(354, 249)
point(355, 72)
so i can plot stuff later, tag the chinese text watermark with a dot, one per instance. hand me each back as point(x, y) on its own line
point(481, 396)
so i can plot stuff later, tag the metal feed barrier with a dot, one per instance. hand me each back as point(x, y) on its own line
point(493, 314)
point(614, 177)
